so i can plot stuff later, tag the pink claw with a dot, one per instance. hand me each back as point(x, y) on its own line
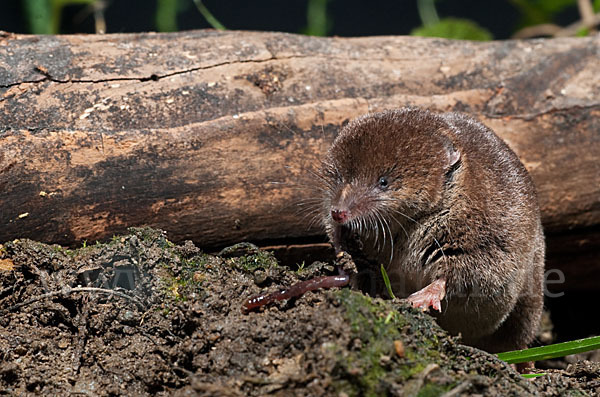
point(430, 296)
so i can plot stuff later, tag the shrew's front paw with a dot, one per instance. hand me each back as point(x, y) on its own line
point(430, 296)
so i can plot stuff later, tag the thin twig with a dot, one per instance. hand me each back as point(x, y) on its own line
point(549, 29)
point(572, 29)
point(99, 20)
point(544, 29)
point(586, 10)
point(68, 290)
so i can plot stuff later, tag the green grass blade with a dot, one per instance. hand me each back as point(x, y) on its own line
point(551, 351)
point(529, 376)
point(386, 281)
point(165, 17)
point(210, 18)
point(317, 20)
point(39, 16)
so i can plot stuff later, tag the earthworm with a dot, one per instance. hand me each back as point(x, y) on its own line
point(296, 290)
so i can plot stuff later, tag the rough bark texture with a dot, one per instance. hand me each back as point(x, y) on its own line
point(211, 135)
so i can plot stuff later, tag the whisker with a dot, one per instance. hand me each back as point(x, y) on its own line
point(308, 201)
point(308, 208)
point(391, 241)
point(375, 225)
point(313, 221)
point(402, 226)
point(380, 222)
point(308, 212)
point(304, 187)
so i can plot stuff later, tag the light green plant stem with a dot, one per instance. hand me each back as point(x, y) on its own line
point(427, 12)
point(210, 18)
point(551, 351)
point(44, 16)
point(38, 16)
point(316, 17)
point(166, 15)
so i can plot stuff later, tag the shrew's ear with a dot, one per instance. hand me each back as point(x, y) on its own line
point(452, 161)
point(453, 154)
point(453, 157)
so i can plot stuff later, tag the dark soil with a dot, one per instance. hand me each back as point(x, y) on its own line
point(142, 316)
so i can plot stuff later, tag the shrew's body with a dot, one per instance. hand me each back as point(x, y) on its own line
point(450, 211)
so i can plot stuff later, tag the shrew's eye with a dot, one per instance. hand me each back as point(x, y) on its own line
point(383, 182)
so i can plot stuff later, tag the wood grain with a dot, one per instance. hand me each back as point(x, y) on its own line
point(211, 136)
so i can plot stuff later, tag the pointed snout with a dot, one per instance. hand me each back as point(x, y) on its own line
point(339, 216)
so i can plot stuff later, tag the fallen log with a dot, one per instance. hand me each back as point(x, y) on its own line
point(211, 136)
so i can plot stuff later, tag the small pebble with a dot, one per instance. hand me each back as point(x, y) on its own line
point(399, 347)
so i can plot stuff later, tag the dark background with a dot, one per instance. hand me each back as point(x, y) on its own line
point(346, 17)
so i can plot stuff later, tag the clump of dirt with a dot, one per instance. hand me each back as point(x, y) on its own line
point(142, 316)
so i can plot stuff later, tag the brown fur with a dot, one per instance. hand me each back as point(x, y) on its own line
point(458, 205)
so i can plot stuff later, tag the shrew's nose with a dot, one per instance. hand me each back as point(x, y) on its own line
point(339, 216)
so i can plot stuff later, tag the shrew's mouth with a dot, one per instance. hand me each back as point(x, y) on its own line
point(345, 238)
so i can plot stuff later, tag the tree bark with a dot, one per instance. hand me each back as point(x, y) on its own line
point(211, 136)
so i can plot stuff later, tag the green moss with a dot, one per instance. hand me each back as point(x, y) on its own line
point(575, 393)
point(255, 260)
point(150, 236)
point(377, 324)
point(454, 28)
point(187, 283)
point(248, 257)
point(69, 252)
point(184, 281)
point(432, 390)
